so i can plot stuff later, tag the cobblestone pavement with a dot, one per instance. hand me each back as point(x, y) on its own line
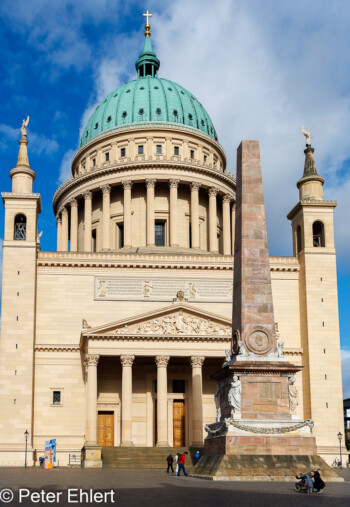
point(154, 487)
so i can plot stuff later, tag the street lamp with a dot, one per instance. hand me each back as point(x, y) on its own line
point(26, 433)
point(339, 438)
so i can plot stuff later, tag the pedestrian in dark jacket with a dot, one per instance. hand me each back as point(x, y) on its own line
point(170, 461)
point(318, 482)
point(181, 463)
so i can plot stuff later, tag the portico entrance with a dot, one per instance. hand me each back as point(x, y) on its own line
point(105, 431)
point(179, 423)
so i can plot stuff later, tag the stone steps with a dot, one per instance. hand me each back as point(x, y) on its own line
point(144, 457)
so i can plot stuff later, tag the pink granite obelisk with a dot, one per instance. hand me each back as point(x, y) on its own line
point(253, 318)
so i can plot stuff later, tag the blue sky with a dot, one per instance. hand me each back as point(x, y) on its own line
point(261, 69)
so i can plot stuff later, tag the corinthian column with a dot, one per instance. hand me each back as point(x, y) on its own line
point(173, 184)
point(162, 401)
point(59, 232)
point(87, 221)
point(64, 241)
point(226, 224)
point(195, 215)
point(197, 400)
point(127, 362)
point(150, 184)
point(127, 213)
point(73, 225)
point(106, 203)
point(213, 237)
point(91, 362)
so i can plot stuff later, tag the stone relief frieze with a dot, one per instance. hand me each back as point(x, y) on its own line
point(176, 324)
point(165, 289)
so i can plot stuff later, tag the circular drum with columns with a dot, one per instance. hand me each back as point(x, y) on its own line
point(149, 173)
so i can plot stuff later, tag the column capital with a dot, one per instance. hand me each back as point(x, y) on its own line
point(162, 361)
point(213, 191)
point(63, 211)
point(197, 361)
point(195, 186)
point(73, 203)
point(58, 218)
point(150, 183)
point(227, 198)
point(174, 183)
point(91, 360)
point(127, 184)
point(127, 360)
point(106, 189)
point(87, 194)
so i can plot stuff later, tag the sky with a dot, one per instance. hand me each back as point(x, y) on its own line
point(261, 69)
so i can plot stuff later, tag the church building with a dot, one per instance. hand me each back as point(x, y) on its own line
point(111, 340)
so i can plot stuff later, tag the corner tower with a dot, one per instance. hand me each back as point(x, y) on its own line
point(18, 310)
point(313, 244)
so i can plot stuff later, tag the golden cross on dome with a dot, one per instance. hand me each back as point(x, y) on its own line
point(147, 15)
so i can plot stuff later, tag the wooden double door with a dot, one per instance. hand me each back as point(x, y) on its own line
point(105, 429)
point(178, 423)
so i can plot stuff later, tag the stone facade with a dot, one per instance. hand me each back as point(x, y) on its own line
point(119, 322)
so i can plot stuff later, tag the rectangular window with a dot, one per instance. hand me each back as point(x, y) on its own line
point(176, 150)
point(192, 154)
point(205, 158)
point(94, 242)
point(122, 152)
point(120, 235)
point(159, 149)
point(56, 397)
point(93, 162)
point(140, 149)
point(159, 232)
point(107, 156)
point(190, 236)
point(178, 386)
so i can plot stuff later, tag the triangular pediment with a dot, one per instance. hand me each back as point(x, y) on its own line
point(175, 320)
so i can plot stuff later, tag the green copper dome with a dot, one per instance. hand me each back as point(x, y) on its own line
point(148, 99)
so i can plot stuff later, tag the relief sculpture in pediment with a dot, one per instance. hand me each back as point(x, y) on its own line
point(176, 324)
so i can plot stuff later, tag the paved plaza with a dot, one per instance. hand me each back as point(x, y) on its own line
point(155, 487)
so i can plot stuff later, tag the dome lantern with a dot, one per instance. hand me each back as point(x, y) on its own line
point(147, 63)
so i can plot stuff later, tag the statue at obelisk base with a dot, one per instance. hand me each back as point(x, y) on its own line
point(256, 396)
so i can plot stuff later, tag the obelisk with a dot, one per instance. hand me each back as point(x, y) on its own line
point(253, 317)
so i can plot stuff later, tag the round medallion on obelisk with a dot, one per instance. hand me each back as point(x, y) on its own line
point(259, 340)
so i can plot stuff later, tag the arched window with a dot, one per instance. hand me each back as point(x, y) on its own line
point(318, 234)
point(20, 231)
point(299, 239)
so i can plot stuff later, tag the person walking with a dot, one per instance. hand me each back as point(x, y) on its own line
point(181, 463)
point(319, 484)
point(170, 461)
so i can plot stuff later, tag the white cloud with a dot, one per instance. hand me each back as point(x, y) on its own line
point(345, 363)
point(65, 167)
point(38, 143)
point(262, 70)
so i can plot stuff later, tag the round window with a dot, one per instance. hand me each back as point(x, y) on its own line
point(109, 119)
point(141, 111)
point(190, 116)
point(124, 114)
point(158, 110)
point(175, 113)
